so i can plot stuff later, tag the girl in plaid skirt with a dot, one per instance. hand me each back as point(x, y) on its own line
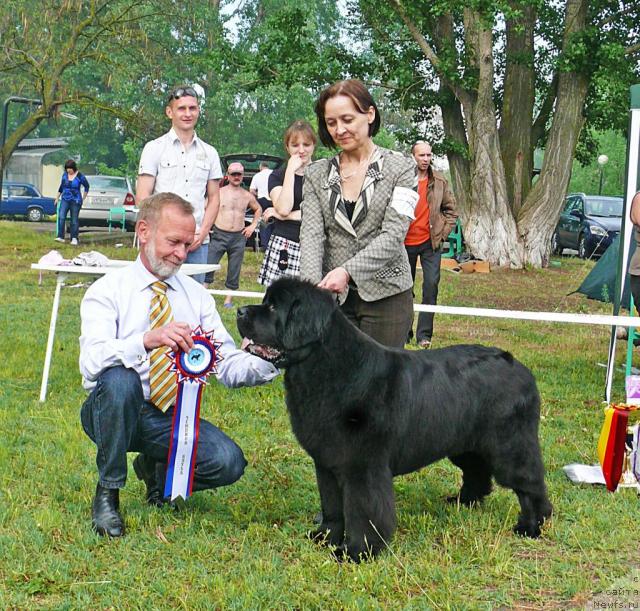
point(282, 257)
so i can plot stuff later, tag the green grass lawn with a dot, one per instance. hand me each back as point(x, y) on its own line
point(244, 547)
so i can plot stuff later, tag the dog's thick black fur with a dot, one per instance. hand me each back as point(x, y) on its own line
point(366, 413)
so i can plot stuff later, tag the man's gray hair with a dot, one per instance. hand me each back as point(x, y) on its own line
point(150, 208)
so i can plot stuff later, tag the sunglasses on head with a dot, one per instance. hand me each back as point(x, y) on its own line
point(176, 94)
point(235, 174)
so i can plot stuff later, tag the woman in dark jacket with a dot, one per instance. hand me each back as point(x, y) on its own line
point(70, 198)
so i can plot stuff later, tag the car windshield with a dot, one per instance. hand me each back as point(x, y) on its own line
point(611, 206)
point(106, 183)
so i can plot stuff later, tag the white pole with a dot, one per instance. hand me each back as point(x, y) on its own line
point(60, 278)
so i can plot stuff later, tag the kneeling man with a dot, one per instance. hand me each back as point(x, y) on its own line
point(130, 317)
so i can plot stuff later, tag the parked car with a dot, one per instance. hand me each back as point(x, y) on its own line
point(588, 224)
point(23, 199)
point(251, 163)
point(105, 193)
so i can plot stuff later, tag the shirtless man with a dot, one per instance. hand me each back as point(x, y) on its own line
point(229, 234)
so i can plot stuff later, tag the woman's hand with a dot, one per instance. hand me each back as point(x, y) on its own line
point(296, 162)
point(269, 214)
point(336, 280)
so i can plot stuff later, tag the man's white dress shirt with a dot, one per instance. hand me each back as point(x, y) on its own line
point(180, 170)
point(115, 316)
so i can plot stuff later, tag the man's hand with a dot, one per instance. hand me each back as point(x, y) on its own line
point(336, 280)
point(247, 232)
point(197, 240)
point(173, 335)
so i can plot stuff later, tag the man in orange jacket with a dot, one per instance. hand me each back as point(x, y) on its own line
point(435, 218)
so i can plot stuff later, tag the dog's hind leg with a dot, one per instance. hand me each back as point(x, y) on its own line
point(331, 529)
point(476, 478)
point(369, 511)
point(521, 469)
point(534, 509)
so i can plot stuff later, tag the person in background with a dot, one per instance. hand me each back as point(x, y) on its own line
point(285, 189)
point(435, 218)
point(229, 234)
point(130, 410)
point(634, 264)
point(259, 188)
point(179, 162)
point(72, 192)
point(356, 211)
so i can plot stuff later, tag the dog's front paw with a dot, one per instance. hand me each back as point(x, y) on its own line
point(343, 553)
point(327, 535)
point(527, 529)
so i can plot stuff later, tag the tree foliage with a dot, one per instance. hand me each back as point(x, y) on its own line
point(48, 49)
point(507, 77)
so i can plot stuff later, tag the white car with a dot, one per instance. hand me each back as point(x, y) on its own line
point(109, 194)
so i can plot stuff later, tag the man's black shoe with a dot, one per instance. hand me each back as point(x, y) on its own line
point(148, 470)
point(105, 517)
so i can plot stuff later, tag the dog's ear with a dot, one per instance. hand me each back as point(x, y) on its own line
point(307, 319)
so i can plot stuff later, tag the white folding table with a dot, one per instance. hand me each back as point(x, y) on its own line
point(64, 271)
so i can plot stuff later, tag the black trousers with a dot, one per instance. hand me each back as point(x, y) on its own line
point(430, 262)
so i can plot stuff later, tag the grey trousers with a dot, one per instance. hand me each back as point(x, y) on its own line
point(233, 244)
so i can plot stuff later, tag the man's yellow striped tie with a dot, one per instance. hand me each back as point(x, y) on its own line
point(161, 380)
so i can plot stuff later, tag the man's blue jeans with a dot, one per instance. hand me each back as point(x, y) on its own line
point(118, 420)
point(67, 206)
point(199, 255)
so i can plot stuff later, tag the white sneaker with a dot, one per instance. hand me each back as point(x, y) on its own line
point(74, 242)
point(60, 240)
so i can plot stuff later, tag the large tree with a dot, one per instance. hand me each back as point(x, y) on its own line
point(46, 48)
point(508, 76)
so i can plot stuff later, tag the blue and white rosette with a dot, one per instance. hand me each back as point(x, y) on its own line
point(192, 369)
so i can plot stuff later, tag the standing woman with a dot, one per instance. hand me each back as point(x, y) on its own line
point(357, 208)
point(70, 199)
point(285, 190)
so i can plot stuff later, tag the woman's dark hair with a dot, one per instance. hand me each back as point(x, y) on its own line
point(299, 127)
point(361, 99)
point(70, 164)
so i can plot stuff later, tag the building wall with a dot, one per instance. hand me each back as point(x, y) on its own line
point(51, 179)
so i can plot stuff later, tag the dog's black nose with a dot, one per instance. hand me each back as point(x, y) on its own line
point(242, 313)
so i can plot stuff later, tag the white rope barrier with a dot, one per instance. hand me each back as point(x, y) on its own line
point(583, 319)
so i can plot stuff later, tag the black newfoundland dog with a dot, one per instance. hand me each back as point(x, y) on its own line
point(366, 413)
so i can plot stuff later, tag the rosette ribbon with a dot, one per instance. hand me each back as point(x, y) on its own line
point(192, 369)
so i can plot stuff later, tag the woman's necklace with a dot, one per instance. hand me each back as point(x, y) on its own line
point(344, 176)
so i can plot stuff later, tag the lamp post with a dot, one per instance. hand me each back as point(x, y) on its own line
point(602, 161)
point(5, 117)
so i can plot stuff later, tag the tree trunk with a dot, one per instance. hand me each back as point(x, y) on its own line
point(517, 106)
point(539, 215)
point(490, 230)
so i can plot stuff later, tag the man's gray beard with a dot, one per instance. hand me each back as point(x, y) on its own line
point(158, 267)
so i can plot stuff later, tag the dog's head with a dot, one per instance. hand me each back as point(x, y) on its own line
point(293, 317)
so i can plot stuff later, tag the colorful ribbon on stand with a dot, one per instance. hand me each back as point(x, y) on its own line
point(192, 369)
point(612, 442)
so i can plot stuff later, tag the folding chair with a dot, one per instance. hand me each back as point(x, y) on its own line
point(112, 218)
point(455, 241)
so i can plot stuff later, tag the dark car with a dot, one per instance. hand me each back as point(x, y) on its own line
point(251, 163)
point(23, 199)
point(109, 194)
point(588, 224)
